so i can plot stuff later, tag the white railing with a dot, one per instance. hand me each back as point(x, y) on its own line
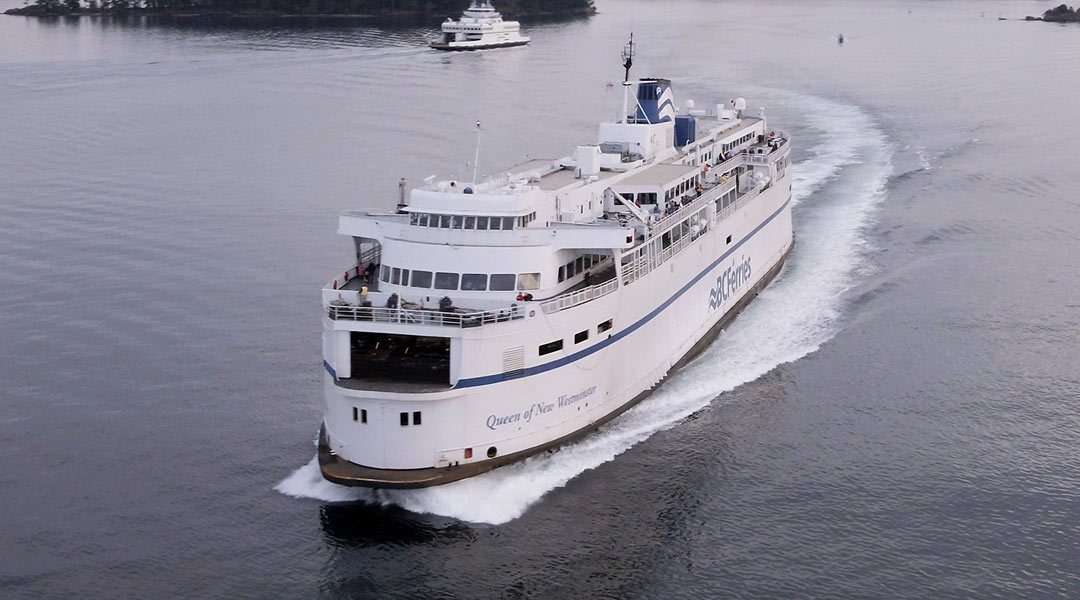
point(639, 267)
point(449, 318)
point(579, 297)
point(739, 202)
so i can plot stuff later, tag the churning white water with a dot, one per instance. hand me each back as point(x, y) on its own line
point(835, 191)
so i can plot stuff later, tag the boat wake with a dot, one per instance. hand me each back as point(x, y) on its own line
point(835, 191)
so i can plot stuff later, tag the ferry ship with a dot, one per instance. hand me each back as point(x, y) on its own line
point(480, 27)
point(483, 322)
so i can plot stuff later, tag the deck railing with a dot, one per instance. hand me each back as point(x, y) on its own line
point(424, 316)
point(579, 297)
point(371, 255)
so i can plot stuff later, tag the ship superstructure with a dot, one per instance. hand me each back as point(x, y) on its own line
point(483, 322)
point(480, 27)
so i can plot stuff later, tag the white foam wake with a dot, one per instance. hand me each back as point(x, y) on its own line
point(790, 319)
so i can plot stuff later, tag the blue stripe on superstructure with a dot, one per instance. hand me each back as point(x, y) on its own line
point(667, 103)
point(489, 379)
point(330, 370)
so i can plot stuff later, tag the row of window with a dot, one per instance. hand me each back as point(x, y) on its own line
point(697, 224)
point(683, 187)
point(359, 415)
point(642, 198)
point(651, 255)
point(470, 222)
point(579, 265)
point(579, 337)
point(466, 282)
point(726, 200)
point(729, 146)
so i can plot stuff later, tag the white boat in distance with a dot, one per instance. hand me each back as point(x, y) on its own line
point(480, 27)
point(486, 321)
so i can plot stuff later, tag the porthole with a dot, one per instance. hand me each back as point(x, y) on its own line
point(492, 452)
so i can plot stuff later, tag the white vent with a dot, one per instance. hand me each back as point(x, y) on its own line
point(513, 361)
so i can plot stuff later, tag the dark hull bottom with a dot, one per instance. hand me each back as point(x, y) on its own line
point(441, 46)
point(341, 471)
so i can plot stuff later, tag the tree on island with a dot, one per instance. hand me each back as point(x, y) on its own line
point(1058, 14)
point(1061, 14)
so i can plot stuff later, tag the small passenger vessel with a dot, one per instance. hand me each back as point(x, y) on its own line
point(480, 27)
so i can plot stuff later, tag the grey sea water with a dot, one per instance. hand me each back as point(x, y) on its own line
point(896, 416)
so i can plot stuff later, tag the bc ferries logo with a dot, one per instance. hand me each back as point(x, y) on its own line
point(729, 282)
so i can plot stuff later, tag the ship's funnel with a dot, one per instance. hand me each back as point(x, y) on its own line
point(655, 101)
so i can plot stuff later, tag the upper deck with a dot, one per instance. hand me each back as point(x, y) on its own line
point(560, 227)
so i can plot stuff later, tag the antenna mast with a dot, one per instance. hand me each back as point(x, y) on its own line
point(476, 159)
point(628, 61)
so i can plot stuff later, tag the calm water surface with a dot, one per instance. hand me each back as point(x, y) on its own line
point(896, 416)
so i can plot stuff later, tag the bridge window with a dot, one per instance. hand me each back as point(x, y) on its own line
point(470, 222)
point(421, 279)
point(482, 223)
point(395, 276)
point(550, 347)
point(528, 281)
point(404, 419)
point(416, 417)
point(385, 275)
point(562, 273)
point(502, 282)
point(474, 282)
point(446, 281)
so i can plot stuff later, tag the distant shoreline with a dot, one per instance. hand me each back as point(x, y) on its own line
point(59, 10)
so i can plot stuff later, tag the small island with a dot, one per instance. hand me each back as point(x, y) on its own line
point(1059, 14)
point(307, 8)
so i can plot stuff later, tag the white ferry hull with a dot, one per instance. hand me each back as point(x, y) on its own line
point(501, 418)
point(477, 45)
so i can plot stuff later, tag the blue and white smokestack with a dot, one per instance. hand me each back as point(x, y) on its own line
point(655, 101)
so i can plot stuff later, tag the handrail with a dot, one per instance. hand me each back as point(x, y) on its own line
point(570, 299)
point(422, 316)
point(371, 255)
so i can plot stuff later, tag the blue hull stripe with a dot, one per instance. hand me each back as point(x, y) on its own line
point(555, 364)
point(330, 370)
